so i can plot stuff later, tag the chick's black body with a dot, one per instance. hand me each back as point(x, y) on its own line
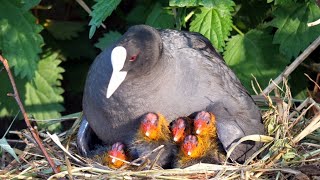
point(175, 73)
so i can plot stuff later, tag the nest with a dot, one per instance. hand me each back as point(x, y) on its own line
point(291, 150)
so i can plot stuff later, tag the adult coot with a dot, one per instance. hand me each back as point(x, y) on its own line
point(172, 72)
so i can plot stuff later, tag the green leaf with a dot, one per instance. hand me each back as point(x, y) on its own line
point(4, 145)
point(41, 96)
point(190, 3)
point(43, 93)
point(138, 14)
point(160, 18)
point(28, 4)
point(251, 14)
point(20, 41)
point(183, 3)
point(77, 48)
point(64, 30)
point(108, 39)
point(254, 54)
point(214, 23)
point(291, 19)
point(101, 10)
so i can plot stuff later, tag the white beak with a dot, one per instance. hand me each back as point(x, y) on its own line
point(118, 58)
point(113, 160)
point(147, 134)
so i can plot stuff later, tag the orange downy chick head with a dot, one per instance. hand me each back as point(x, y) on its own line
point(117, 150)
point(178, 129)
point(202, 122)
point(189, 146)
point(149, 126)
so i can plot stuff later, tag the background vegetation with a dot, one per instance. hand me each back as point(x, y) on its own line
point(50, 44)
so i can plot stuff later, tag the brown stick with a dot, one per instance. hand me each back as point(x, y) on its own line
point(26, 119)
point(293, 66)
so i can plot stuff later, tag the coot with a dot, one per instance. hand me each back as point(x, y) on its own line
point(168, 71)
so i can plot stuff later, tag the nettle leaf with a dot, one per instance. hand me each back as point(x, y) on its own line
point(214, 23)
point(20, 41)
point(138, 14)
point(43, 93)
point(254, 54)
point(4, 145)
point(293, 34)
point(107, 39)
point(101, 10)
point(183, 3)
point(28, 4)
point(188, 3)
point(160, 18)
point(64, 30)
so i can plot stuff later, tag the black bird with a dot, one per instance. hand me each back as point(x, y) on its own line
point(168, 71)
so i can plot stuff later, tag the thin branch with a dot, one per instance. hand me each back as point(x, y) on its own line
point(26, 119)
point(293, 66)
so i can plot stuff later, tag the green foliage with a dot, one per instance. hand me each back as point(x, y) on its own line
point(160, 18)
point(41, 96)
point(44, 89)
point(19, 37)
point(28, 4)
point(108, 39)
point(215, 23)
point(101, 10)
point(138, 14)
point(4, 145)
point(183, 3)
point(254, 54)
point(64, 30)
point(189, 3)
point(293, 34)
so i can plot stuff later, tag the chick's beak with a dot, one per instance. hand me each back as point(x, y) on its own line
point(177, 134)
point(198, 125)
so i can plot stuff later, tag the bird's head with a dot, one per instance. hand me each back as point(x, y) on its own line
point(190, 147)
point(203, 122)
point(178, 129)
point(117, 150)
point(135, 54)
point(150, 126)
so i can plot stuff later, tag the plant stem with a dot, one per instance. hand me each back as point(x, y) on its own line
point(26, 119)
point(238, 30)
point(188, 16)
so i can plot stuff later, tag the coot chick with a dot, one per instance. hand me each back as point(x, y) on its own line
point(153, 132)
point(180, 128)
point(105, 155)
point(195, 149)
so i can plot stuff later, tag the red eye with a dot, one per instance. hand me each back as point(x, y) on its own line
point(133, 58)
